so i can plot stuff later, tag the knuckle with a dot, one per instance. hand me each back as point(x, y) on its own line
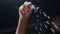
point(27, 3)
point(21, 7)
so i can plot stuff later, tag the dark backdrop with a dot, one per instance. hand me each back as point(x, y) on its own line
point(9, 11)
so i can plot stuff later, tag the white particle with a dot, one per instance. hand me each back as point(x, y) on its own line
point(52, 30)
point(37, 8)
point(44, 14)
point(41, 29)
point(37, 20)
point(40, 9)
point(39, 33)
point(36, 28)
point(47, 22)
point(46, 26)
point(33, 7)
point(37, 16)
point(40, 12)
point(48, 17)
point(40, 24)
point(55, 25)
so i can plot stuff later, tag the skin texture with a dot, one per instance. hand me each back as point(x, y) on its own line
point(24, 13)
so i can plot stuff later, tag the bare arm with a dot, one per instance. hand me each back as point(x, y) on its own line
point(21, 26)
point(24, 13)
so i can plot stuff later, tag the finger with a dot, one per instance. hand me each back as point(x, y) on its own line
point(21, 9)
point(21, 12)
point(29, 6)
point(25, 9)
point(25, 4)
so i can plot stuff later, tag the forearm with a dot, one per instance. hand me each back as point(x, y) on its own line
point(21, 26)
point(24, 13)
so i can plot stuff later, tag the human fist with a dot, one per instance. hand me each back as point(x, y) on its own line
point(25, 10)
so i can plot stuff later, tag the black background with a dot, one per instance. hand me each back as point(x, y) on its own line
point(9, 11)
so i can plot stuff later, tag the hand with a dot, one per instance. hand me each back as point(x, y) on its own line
point(25, 10)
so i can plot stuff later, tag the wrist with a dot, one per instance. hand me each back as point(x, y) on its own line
point(24, 20)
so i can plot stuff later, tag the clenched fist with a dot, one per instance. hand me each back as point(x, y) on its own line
point(24, 13)
point(25, 10)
